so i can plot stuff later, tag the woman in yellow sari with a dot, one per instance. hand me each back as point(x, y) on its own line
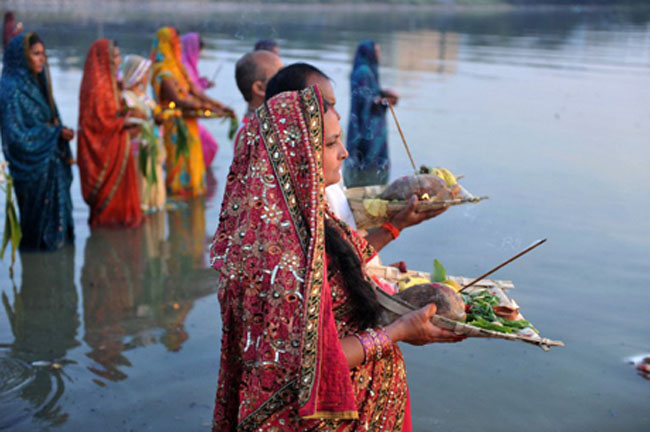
point(173, 88)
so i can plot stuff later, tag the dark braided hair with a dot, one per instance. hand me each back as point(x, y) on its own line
point(366, 307)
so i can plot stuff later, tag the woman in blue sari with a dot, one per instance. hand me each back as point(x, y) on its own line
point(368, 163)
point(36, 146)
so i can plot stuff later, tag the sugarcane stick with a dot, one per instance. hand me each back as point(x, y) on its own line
point(525, 251)
point(399, 128)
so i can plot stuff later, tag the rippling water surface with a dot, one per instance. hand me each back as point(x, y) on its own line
point(546, 112)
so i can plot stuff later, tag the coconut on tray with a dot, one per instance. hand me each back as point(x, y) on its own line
point(482, 310)
point(434, 187)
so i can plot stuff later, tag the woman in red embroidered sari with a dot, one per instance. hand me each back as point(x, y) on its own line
point(108, 176)
point(294, 296)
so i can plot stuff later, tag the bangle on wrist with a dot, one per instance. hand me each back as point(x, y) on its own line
point(392, 229)
point(376, 344)
point(369, 347)
point(384, 340)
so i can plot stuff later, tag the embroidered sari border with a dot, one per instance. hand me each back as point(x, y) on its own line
point(278, 162)
point(310, 365)
point(282, 397)
point(333, 415)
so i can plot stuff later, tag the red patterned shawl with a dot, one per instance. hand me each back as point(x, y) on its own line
point(108, 177)
point(280, 344)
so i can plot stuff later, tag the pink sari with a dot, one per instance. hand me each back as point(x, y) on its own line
point(282, 363)
point(190, 56)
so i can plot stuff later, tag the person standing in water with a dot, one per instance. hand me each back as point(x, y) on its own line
point(174, 89)
point(36, 145)
point(252, 72)
point(267, 45)
point(301, 347)
point(10, 28)
point(367, 142)
point(192, 44)
point(145, 139)
point(108, 176)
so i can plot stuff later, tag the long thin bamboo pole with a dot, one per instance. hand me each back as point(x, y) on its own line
point(399, 128)
point(483, 276)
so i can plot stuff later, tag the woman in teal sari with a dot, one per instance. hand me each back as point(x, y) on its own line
point(367, 139)
point(36, 145)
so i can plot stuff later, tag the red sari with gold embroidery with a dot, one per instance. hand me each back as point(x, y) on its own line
point(282, 364)
point(108, 176)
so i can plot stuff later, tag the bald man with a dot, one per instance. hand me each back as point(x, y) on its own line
point(252, 72)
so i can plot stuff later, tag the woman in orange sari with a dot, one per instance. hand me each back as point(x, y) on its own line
point(173, 88)
point(301, 346)
point(108, 176)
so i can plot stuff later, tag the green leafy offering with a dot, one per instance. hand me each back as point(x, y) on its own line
point(481, 314)
point(234, 125)
point(439, 272)
point(182, 140)
point(12, 231)
point(148, 155)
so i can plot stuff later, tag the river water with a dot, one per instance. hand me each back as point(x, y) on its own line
point(547, 112)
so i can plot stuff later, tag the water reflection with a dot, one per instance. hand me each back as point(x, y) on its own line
point(139, 287)
point(426, 51)
point(44, 323)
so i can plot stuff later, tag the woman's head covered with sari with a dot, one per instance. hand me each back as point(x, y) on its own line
point(32, 142)
point(134, 69)
point(103, 150)
point(367, 137)
point(30, 120)
point(166, 55)
point(190, 53)
point(366, 55)
point(280, 348)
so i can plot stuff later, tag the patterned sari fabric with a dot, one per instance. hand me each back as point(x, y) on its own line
point(185, 173)
point(108, 177)
point(368, 163)
point(191, 48)
point(147, 142)
point(39, 159)
point(282, 365)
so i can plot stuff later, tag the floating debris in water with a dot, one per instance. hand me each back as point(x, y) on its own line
point(642, 363)
point(638, 359)
point(54, 364)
